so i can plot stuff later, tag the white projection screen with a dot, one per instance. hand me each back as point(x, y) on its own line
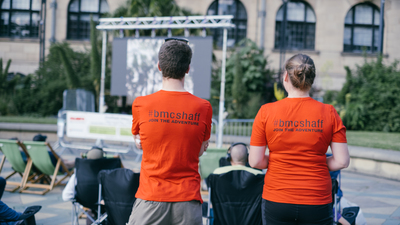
point(135, 73)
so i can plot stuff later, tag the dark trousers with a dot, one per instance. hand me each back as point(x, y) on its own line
point(274, 213)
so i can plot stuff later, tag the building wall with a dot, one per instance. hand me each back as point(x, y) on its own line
point(24, 52)
point(328, 54)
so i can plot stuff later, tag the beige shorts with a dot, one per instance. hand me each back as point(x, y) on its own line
point(168, 213)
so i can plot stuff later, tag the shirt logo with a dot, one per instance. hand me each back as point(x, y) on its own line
point(298, 125)
point(174, 117)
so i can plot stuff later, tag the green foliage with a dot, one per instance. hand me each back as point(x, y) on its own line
point(247, 84)
point(278, 93)
point(41, 94)
point(369, 100)
point(72, 78)
point(5, 85)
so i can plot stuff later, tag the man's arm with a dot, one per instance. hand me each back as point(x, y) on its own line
point(6, 213)
point(204, 147)
point(257, 157)
point(69, 191)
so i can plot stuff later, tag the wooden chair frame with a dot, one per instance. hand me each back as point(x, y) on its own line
point(53, 179)
point(25, 177)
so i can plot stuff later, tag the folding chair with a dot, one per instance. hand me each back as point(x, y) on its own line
point(117, 188)
point(236, 197)
point(87, 185)
point(10, 149)
point(348, 213)
point(38, 152)
point(209, 161)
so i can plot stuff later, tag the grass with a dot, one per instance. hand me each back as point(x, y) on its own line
point(357, 138)
point(27, 119)
point(374, 139)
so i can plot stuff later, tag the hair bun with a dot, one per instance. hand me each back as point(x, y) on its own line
point(301, 71)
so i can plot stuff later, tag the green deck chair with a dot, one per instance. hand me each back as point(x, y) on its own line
point(209, 161)
point(38, 152)
point(11, 152)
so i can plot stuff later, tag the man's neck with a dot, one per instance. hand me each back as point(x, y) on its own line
point(236, 164)
point(169, 84)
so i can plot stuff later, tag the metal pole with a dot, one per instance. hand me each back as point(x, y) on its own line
point(262, 25)
point(103, 71)
point(222, 92)
point(53, 21)
point(283, 37)
point(380, 46)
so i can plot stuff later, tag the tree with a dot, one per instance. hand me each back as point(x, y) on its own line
point(4, 83)
point(247, 81)
point(369, 99)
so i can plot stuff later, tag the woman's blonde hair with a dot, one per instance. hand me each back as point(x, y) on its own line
point(301, 71)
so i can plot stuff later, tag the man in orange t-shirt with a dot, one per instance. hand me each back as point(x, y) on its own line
point(172, 127)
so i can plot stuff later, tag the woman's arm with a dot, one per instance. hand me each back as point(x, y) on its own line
point(340, 158)
point(257, 157)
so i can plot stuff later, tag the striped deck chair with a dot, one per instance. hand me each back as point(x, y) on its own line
point(11, 152)
point(39, 154)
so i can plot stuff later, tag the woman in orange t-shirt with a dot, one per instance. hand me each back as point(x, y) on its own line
point(298, 131)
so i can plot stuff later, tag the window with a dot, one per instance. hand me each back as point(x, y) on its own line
point(229, 7)
point(361, 29)
point(300, 26)
point(79, 12)
point(20, 18)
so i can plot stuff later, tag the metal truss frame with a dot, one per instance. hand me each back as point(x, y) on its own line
point(173, 22)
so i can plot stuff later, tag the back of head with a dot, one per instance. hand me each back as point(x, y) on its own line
point(174, 58)
point(95, 153)
point(39, 137)
point(239, 154)
point(301, 71)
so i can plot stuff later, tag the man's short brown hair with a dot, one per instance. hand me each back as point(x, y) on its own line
point(174, 58)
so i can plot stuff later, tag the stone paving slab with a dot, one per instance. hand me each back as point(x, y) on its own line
point(378, 198)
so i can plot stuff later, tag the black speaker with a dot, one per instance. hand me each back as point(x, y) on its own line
point(350, 214)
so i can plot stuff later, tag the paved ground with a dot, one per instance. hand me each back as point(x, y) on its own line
point(378, 198)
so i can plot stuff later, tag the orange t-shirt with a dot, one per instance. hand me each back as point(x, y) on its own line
point(298, 132)
point(172, 127)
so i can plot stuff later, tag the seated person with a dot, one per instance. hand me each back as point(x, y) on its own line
point(8, 216)
point(68, 193)
point(238, 158)
point(69, 164)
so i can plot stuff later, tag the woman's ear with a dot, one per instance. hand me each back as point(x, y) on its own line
point(285, 76)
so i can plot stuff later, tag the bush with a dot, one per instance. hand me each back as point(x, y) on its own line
point(248, 81)
point(369, 99)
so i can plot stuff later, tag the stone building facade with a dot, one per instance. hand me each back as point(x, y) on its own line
point(335, 33)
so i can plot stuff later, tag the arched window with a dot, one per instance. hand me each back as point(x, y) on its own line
point(79, 12)
point(361, 29)
point(20, 18)
point(229, 7)
point(300, 26)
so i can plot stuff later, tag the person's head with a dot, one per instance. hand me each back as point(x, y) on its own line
point(238, 155)
point(300, 69)
point(95, 153)
point(39, 137)
point(174, 59)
